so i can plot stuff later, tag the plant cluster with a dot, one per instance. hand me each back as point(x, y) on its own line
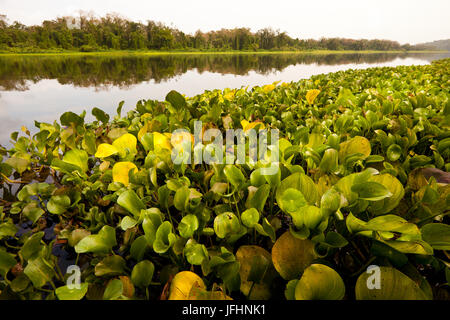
point(362, 181)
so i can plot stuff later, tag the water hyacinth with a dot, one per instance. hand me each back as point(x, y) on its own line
point(361, 181)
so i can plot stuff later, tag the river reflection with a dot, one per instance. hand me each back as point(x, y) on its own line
point(43, 87)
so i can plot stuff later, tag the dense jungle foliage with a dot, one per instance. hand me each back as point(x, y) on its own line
point(362, 182)
point(112, 32)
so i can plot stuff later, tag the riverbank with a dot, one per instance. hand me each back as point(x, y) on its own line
point(231, 52)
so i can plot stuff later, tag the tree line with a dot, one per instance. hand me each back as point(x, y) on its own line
point(113, 32)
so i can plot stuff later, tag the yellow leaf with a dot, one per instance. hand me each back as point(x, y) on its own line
point(105, 150)
point(311, 95)
point(120, 171)
point(126, 144)
point(269, 87)
point(161, 141)
point(356, 144)
point(143, 131)
point(229, 95)
point(251, 125)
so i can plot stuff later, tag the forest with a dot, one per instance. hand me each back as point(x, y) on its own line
point(88, 33)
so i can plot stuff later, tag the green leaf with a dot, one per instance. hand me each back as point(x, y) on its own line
point(130, 201)
point(77, 158)
point(300, 182)
point(110, 266)
point(394, 152)
point(58, 204)
point(165, 238)
point(98, 243)
point(320, 282)
point(33, 212)
point(260, 197)
point(138, 248)
point(188, 225)
point(19, 164)
point(64, 293)
point(142, 274)
point(39, 271)
point(176, 100)
point(127, 223)
point(394, 285)
point(113, 290)
point(250, 217)
point(289, 292)
point(234, 176)
point(195, 253)
point(291, 200)
point(394, 186)
point(372, 191)
point(226, 224)
point(181, 198)
point(32, 247)
point(69, 118)
point(437, 235)
point(7, 261)
point(8, 229)
point(100, 115)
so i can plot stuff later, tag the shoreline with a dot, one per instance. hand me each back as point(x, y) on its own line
point(159, 53)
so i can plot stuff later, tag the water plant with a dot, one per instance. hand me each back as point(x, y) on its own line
point(362, 184)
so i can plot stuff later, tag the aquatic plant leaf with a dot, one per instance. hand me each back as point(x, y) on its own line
point(98, 243)
point(320, 282)
point(64, 293)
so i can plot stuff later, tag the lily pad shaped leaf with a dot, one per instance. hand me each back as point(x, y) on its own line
point(64, 293)
point(98, 243)
point(188, 225)
point(355, 145)
point(320, 282)
point(142, 274)
point(105, 150)
point(300, 182)
point(291, 256)
point(125, 146)
point(393, 285)
point(121, 171)
point(78, 158)
point(256, 272)
point(182, 284)
point(250, 217)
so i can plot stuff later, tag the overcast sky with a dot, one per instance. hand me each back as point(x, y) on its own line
point(411, 21)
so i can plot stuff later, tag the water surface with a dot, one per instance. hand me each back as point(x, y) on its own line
point(43, 87)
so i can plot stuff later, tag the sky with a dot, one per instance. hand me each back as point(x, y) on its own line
point(405, 21)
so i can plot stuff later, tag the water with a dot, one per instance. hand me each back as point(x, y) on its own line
point(43, 87)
